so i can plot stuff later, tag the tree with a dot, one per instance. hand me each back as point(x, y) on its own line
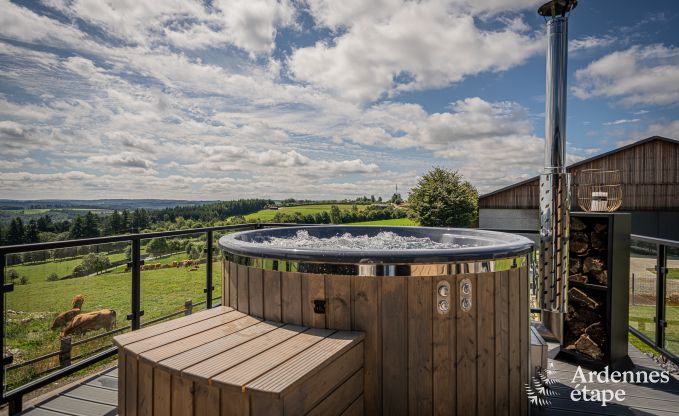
point(77, 229)
point(442, 198)
point(116, 223)
point(32, 232)
point(335, 215)
point(91, 225)
point(52, 277)
point(157, 247)
point(16, 232)
point(92, 263)
point(45, 224)
point(396, 199)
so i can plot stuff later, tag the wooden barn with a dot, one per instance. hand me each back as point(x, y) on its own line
point(649, 171)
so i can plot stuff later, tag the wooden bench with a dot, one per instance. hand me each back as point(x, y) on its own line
point(224, 362)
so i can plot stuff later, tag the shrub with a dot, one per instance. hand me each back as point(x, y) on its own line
point(442, 198)
point(52, 277)
point(23, 280)
point(12, 275)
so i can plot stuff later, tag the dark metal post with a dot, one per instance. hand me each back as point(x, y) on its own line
point(65, 348)
point(661, 268)
point(188, 307)
point(2, 321)
point(136, 314)
point(209, 288)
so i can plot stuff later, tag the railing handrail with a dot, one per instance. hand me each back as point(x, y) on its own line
point(19, 248)
point(655, 240)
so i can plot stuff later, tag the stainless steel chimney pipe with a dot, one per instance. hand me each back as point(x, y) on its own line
point(555, 182)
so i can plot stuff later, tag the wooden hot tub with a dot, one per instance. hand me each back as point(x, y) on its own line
point(446, 329)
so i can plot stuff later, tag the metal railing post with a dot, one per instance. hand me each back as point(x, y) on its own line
point(208, 271)
point(661, 269)
point(136, 314)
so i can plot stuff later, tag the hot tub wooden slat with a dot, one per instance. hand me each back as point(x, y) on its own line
point(515, 383)
point(304, 364)
point(365, 300)
point(182, 397)
point(338, 309)
point(243, 287)
point(485, 345)
point(173, 348)
point(394, 298)
point(226, 359)
point(524, 334)
point(159, 340)
point(163, 327)
point(237, 376)
point(420, 321)
point(313, 287)
point(291, 298)
point(186, 359)
point(256, 293)
point(348, 392)
point(501, 343)
point(272, 295)
point(444, 350)
point(233, 286)
point(466, 349)
point(145, 399)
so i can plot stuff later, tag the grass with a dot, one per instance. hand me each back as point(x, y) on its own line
point(642, 317)
point(38, 271)
point(32, 307)
point(394, 221)
point(269, 214)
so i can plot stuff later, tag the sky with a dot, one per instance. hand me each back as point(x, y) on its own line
point(315, 99)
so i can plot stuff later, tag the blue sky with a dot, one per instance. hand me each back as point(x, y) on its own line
point(226, 99)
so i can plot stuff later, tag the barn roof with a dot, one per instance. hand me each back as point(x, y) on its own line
point(582, 162)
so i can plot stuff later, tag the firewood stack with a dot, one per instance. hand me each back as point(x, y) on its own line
point(585, 330)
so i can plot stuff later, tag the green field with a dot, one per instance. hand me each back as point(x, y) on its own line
point(269, 214)
point(37, 272)
point(31, 308)
point(394, 221)
point(642, 318)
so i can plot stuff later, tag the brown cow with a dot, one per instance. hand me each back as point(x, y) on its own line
point(78, 301)
point(91, 321)
point(66, 317)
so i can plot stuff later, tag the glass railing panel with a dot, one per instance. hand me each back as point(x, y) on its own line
point(643, 279)
point(672, 301)
point(66, 305)
point(172, 277)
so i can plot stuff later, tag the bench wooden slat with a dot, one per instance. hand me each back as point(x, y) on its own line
point(181, 333)
point(305, 396)
point(305, 364)
point(223, 361)
point(348, 392)
point(186, 359)
point(157, 329)
point(196, 340)
point(238, 376)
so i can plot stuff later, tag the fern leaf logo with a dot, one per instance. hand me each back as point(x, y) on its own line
point(538, 390)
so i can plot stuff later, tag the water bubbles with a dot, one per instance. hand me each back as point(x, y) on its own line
point(385, 240)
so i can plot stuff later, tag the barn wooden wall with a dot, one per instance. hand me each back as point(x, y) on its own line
point(417, 361)
point(649, 178)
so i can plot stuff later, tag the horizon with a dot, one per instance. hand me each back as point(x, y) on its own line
point(313, 100)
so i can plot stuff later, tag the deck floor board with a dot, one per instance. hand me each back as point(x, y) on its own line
point(96, 396)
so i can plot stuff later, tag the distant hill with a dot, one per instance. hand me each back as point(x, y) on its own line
point(96, 204)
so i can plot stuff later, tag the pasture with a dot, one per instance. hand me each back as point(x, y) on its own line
point(269, 214)
point(393, 221)
point(31, 308)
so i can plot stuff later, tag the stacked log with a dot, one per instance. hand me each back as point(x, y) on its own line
point(585, 329)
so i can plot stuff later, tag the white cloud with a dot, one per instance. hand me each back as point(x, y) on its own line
point(621, 121)
point(589, 42)
point(415, 46)
point(640, 75)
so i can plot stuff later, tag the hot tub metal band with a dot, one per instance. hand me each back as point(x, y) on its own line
point(418, 269)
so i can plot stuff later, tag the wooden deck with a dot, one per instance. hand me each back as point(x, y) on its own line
point(640, 399)
point(97, 396)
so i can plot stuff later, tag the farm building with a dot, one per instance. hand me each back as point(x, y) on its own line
point(649, 172)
